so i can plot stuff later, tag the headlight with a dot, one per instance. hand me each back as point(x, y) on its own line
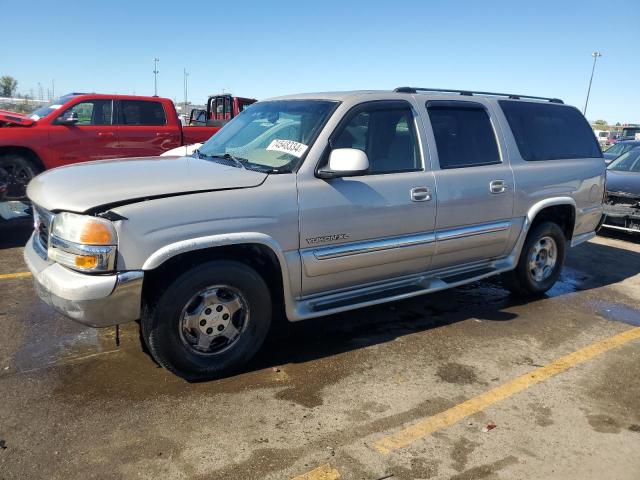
point(83, 242)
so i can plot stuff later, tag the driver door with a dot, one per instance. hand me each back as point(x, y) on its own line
point(92, 137)
point(363, 229)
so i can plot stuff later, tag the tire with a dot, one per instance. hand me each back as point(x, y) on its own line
point(522, 281)
point(16, 171)
point(193, 308)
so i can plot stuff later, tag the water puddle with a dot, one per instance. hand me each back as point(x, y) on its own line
point(618, 312)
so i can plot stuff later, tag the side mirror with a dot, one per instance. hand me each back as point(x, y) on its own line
point(345, 162)
point(69, 118)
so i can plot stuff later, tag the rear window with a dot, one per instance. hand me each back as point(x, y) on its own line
point(546, 131)
point(141, 112)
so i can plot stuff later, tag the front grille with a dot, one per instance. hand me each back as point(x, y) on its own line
point(42, 220)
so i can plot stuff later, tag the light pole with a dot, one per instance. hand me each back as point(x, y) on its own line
point(155, 76)
point(186, 75)
point(595, 56)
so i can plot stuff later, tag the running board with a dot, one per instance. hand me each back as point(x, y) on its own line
point(398, 290)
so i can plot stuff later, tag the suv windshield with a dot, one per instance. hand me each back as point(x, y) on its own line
point(627, 162)
point(44, 111)
point(273, 134)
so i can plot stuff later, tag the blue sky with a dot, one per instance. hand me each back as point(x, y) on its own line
point(267, 48)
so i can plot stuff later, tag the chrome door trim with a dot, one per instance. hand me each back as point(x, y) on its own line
point(370, 246)
point(471, 231)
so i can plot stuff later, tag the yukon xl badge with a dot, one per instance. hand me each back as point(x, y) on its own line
point(327, 238)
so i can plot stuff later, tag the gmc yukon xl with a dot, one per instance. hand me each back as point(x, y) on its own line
point(311, 205)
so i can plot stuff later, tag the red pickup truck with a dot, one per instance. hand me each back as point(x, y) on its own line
point(80, 127)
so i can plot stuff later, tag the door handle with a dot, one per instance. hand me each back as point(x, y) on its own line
point(162, 134)
point(497, 186)
point(420, 194)
point(105, 134)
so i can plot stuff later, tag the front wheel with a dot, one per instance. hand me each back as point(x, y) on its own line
point(16, 172)
point(210, 321)
point(540, 262)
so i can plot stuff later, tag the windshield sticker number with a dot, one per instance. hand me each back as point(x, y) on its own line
point(288, 146)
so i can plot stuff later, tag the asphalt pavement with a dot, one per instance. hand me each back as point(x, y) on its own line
point(465, 384)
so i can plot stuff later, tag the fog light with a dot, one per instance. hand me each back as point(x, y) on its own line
point(86, 261)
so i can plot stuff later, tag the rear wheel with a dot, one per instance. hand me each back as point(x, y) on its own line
point(540, 262)
point(16, 171)
point(210, 321)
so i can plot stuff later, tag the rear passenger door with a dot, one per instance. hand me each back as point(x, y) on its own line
point(144, 129)
point(474, 180)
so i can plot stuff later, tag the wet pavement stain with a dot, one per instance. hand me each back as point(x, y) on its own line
point(462, 448)
point(419, 468)
point(542, 414)
point(485, 471)
point(457, 373)
point(618, 312)
point(604, 424)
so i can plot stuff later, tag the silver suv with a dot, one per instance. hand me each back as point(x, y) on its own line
point(311, 205)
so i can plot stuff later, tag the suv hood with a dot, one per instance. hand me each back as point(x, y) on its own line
point(11, 119)
point(86, 186)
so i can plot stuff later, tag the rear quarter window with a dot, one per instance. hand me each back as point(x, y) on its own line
point(547, 131)
point(141, 112)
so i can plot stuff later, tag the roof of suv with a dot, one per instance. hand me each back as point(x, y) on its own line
point(401, 91)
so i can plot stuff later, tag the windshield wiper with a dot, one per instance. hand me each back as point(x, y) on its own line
point(227, 156)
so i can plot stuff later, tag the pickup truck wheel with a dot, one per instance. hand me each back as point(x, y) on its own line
point(210, 321)
point(540, 261)
point(16, 172)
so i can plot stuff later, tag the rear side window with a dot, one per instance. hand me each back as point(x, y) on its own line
point(464, 135)
point(141, 112)
point(547, 131)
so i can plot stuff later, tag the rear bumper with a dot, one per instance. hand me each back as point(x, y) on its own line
point(94, 300)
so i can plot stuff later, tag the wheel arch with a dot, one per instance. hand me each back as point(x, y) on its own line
point(26, 152)
point(259, 251)
point(561, 210)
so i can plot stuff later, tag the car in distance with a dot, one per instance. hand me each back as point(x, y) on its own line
point(311, 205)
point(622, 201)
point(613, 152)
point(79, 127)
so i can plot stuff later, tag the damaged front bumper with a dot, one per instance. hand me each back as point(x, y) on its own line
point(622, 212)
point(94, 300)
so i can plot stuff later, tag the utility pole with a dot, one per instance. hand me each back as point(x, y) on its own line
point(595, 56)
point(53, 88)
point(155, 76)
point(186, 80)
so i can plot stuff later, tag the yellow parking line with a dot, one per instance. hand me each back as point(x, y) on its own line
point(444, 419)
point(14, 275)
point(323, 472)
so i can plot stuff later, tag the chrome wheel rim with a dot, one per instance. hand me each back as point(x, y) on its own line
point(213, 320)
point(543, 259)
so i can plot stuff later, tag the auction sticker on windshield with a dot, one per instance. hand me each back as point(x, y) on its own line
point(288, 146)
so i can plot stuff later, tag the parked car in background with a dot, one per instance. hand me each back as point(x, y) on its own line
point(622, 201)
point(310, 205)
point(220, 109)
point(613, 138)
point(613, 152)
point(79, 127)
point(630, 133)
point(602, 136)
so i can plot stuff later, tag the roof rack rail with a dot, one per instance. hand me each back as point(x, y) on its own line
point(470, 93)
